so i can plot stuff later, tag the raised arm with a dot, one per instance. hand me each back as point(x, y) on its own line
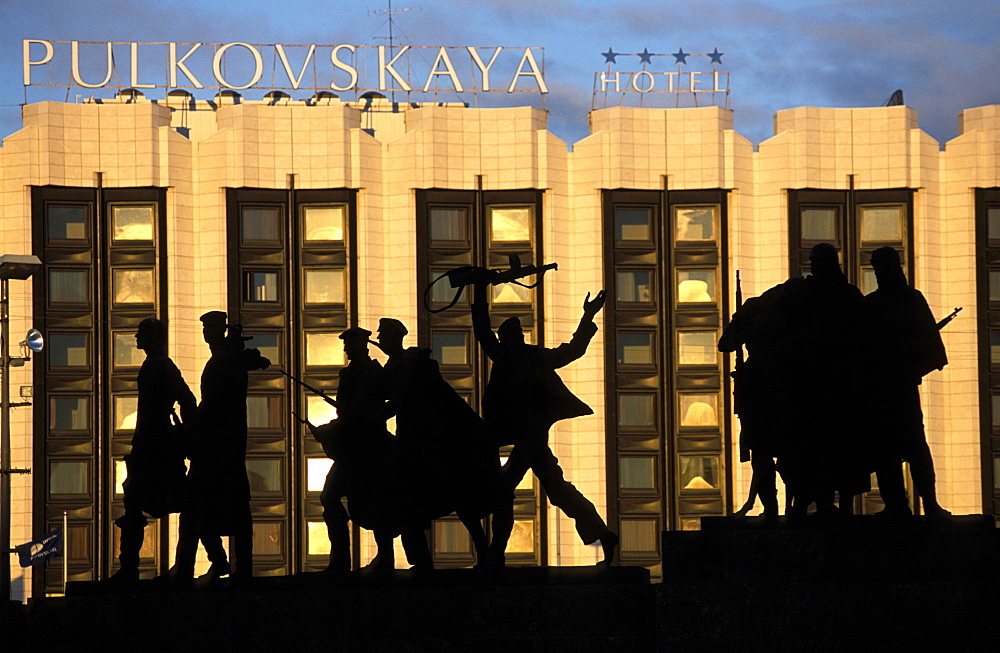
point(568, 352)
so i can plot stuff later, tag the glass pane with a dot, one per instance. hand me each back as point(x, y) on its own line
point(261, 223)
point(868, 281)
point(449, 224)
point(133, 286)
point(450, 348)
point(324, 223)
point(319, 539)
point(995, 348)
point(527, 481)
point(699, 472)
point(636, 410)
point(637, 473)
point(443, 293)
point(150, 543)
point(695, 222)
point(511, 293)
point(121, 473)
point(996, 473)
point(695, 286)
point(451, 537)
point(268, 344)
point(67, 222)
point(264, 474)
point(881, 223)
point(69, 413)
point(266, 538)
point(639, 536)
point(68, 477)
point(69, 286)
point(635, 348)
point(324, 349)
point(995, 400)
point(126, 355)
point(125, 412)
point(262, 286)
point(696, 348)
point(819, 224)
point(699, 410)
point(993, 222)
point(691, 524)
point(510, 223)
point(634, 224)
point(68, 349)
point(324, 286)
point(316, 471)
point(132, 222)
point(995, 285)
point(522, 537)
point(319, 412)
point(634, 286)
point(263, 412)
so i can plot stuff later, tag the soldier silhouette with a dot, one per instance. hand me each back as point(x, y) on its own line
point(523, 399)
point(905, 346)
point(453, 466)
point(155, 465)
point(218, 490)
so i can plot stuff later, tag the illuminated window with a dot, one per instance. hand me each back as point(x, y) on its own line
point(881, 223)
point(318, 411)
point(451, 537)
point(324, 286)
point(126, 409)
point(696, 348)
point(264, 475)
point(67, 222)
point(263, 412)
point(510, 224)
point(634, 225)
point(121, 473)
point(450, 348)
point(637, 473)
point(69, 286)
point(260, 224)
point(316, 471)
point(695, 286)
point(68, 476)
point(324, 223)
point(324, 349)
point(691, 524)
point(511, 293)
point(133, 286)
point(262, 286)
point(636, 410)
point(695, 223)
point(635, 348)
point(318, 537)
point(267, 538)
point(868, 281)
point(449, 224)
point(699, 472)
point(699, 410)
point(634, 286)
point(819, 224)
point(269, 345)
point(69, 413)
point(639, 536)
point(526, 482)
point(133, 223)
point(125, 352)
point(68, 349)
point(522, 537)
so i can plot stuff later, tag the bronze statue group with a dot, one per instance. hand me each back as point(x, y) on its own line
point(442, 459)
point(829, 392)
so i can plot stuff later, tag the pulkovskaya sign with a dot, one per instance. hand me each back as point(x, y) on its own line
point(241, 66)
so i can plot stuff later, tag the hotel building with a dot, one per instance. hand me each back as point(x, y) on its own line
point(302, 218)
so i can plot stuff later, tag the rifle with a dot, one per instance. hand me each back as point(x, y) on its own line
point(468, 275)
point(740, 360)
point(326, 397)
point(951, 316)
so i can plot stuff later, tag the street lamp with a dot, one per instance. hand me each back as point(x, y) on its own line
point(12, 266)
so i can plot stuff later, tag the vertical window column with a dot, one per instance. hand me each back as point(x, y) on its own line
point(988, 273)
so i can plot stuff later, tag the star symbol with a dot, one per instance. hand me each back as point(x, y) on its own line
point(609, 56)
point(646, 56)
point(716, 56)
point(681, 56)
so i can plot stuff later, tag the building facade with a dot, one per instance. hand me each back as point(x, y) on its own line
point(302, 218)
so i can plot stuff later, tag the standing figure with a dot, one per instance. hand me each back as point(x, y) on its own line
point(155, 466)
point(906, 345)
point(523, 399)
point(451, 466)
point(218, 493)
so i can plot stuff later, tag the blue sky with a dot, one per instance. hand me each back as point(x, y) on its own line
point(781, 54)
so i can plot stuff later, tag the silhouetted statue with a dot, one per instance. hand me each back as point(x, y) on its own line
point(905, 346)
point(218, 490)
point(155, 465)
point(523, 399)
point(442, 440)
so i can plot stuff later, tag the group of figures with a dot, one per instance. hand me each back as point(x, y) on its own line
point(829, 392)
point(442, 459)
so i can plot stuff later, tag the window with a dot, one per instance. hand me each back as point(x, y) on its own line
point(324, 286)
point(264, 475)
point(126, 409)
point(699, 472)
point(262, 286)
point(450, 348)
point(451, 537)
point(318, 538)
point(67, 222)
point(132, 223)
point(125, 352)
point(820, 224)
point(316, 471)
point(634, 286)
point(449, 224)
point(69, 477)
point(121, 473)
point(260, 225)
point(522, 537)
point(637, 473)
point(267, 538)
point(68, 349)
point(318, 411)
point(133, 286)
point(69, 413)
point(510, 224)
point(881, 223)
point(639, 535)
point(633, 225)
point(697, 348)
point(69, 286)
point(635, 348)
point(699, 410)
point(510, 293)
point(695, 286)
point(695, 223)
point(264, 412)
point(269, 345)
point(636, 410)
point(993, 222)
point(324, 349)
point(323, 223)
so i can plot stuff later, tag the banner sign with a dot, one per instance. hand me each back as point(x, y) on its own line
point(239, 66)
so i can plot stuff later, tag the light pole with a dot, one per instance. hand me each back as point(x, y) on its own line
point(12, 266)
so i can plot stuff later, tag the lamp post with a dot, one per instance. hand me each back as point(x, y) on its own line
point(12, 266)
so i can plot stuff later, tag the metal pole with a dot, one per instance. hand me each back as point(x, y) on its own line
point(65, 552)
point(5, 466)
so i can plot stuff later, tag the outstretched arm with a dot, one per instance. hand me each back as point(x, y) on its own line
point(568, 352)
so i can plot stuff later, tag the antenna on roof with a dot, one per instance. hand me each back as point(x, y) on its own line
point(390, 12)
point(896, 99)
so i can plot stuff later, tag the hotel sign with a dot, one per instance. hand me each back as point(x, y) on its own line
point(241, 66)
point(649, 80)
